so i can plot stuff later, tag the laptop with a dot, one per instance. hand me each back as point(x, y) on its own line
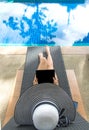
point(45, 76)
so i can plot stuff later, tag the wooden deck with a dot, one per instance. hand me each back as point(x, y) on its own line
point(16, 92)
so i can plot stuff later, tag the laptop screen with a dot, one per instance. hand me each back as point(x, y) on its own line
point(45, 76)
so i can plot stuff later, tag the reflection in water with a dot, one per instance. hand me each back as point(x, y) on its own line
point(33, 29)
point(44, 23)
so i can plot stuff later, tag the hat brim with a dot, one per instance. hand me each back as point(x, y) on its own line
point(42, 93)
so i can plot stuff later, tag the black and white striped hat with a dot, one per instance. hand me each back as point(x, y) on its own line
point(39, 100)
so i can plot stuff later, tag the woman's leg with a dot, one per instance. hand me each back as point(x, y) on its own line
point(42, 66)
point(43, 62)
point(49, 59)
point(50, 65)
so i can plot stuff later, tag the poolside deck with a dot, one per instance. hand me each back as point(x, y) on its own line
point(65, 50)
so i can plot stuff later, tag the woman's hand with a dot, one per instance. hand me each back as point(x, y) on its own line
point(55, 80)
point(35, 81)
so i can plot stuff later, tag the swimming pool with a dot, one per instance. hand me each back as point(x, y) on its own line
point(53, 24)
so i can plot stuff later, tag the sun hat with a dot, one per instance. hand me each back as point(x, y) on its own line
point(34, 104)
point(45, 117)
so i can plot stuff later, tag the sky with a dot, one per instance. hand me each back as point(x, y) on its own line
point(72, 21)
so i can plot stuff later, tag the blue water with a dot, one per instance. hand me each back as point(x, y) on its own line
point(44, 24)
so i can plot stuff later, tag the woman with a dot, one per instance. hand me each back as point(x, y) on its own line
point(46, 64)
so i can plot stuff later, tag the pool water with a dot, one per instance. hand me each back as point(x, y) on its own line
point(39, 24)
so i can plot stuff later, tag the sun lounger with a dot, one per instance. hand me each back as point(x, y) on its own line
point(30, 66)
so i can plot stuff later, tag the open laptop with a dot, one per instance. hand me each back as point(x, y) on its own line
point(45, 76)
